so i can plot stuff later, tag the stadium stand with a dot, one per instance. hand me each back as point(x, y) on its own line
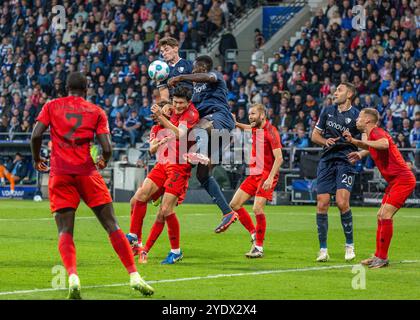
point(114, 41)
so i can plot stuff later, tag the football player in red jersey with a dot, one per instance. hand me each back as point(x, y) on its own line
point(391, 164)
point(170, 173)
point(263, 178)
point(145, 192)
point(73, 123)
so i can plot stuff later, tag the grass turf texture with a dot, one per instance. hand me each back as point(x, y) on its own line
point(28, 252)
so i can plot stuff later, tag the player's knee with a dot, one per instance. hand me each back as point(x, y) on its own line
point(343, 205)
point(258, 209)
point(142, 196)
point(234, 205)
point(322, 206)
point(165, 210)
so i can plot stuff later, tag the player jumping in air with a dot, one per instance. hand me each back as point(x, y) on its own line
point(73, 123)
point(260, 184)
point(169, 49)
point(169, 173)
point(335, 174)
point(210, 99)
point(391, 164)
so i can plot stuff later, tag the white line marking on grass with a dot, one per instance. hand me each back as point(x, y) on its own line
point(187, 214)
point(215, 276)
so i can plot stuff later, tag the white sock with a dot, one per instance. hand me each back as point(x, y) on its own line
point(259, 248)
point(176, 251)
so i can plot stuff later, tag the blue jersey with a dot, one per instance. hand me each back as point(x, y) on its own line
point(211, 97)
point(181, 67)
point(333, 123)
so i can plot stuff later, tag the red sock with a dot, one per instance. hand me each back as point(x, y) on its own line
point(137, 217)
point(173, 230)
point(385, 238)
point(67, 252)
point(261, 226)
point(246, 220)
point(123, 249)
point(378, 237)
point(154, 235)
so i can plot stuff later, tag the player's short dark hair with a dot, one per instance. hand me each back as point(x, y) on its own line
point(350, 86)
point(207, 60)
point(373, 113)
point(182, 92)
point(76, 81)
point(168, 41)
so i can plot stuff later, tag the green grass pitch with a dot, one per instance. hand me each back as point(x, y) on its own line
point(28, 252)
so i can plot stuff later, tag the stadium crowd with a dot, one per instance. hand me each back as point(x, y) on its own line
point(113, 42)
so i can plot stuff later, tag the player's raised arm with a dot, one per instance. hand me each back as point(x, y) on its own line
point(194, 77)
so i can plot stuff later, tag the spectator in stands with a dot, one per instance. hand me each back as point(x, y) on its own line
point(18, 168)
point(132, 126)
point(301, 140)
point(415, 135)
point(119, 138)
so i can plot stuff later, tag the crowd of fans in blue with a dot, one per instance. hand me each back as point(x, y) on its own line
point(114, 41)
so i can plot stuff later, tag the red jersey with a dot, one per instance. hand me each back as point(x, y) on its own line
point(189, 118)
point(270, 141)
point(390, 162)
point(73, 124)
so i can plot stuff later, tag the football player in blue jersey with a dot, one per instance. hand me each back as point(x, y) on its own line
point(210, 99)
point(335, 174)
point(169, 49)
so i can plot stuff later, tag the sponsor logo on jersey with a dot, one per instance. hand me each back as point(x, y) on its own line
point(198, 89)
point(337, 126)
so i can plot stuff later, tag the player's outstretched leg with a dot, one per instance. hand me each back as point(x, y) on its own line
point(175, 254)
point(212, 187)
point(64, 219)
point(105, 214)
point(323, 203)
point(343, 204)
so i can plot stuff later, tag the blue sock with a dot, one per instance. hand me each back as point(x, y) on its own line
point(213, 189)
point(322, 223)
point(347, 223)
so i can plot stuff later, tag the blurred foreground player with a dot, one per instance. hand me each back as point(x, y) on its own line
point(73, 123)
point(391, 164)
point(263, 178)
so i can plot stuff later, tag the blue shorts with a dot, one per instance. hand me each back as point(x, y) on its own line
point(221, 120)
point(334, 174)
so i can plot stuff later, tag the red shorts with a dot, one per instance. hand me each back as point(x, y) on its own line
point(253, 186)
point(65, 191)
point(397, 192)
point(173, 178)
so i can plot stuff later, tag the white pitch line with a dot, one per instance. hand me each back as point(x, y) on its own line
point(215, 276)
point(187, 214)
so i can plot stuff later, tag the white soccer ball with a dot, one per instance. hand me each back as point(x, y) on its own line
point(37, 198)
point(158, 70)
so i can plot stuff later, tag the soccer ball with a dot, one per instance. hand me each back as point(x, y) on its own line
point(37, 198)
point(158, 70)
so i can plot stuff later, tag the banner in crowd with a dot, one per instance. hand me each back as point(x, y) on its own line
point(275, 17)
point(21, 192)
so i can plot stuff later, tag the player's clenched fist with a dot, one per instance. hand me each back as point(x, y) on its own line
point(267, 184)
point(41, 165)
point(347, 135)
point(101, 163)
point(156, 110)
point(174, 81)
